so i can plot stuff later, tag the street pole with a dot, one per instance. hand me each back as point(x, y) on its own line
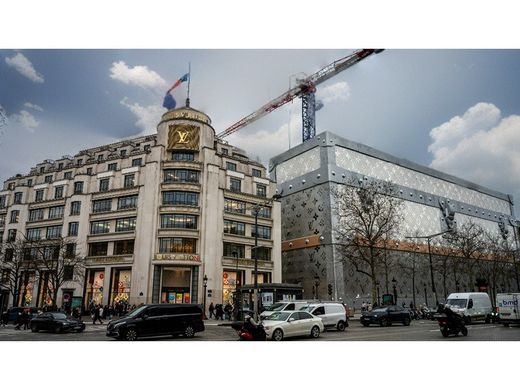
point(431, 274)
point(256, 210)
point(205, 280)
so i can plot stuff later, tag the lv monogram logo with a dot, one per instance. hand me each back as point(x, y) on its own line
point(183, 136)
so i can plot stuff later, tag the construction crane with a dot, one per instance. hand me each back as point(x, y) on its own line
point(306, 90)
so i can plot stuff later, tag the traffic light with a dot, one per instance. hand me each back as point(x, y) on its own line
point(330, 289)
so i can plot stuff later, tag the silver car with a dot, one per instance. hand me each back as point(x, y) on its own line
point(282, 324)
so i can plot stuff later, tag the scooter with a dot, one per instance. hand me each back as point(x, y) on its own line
point(450, 322)
point(249, 330)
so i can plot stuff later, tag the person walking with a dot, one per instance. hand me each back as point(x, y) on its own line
point(97, 315)
point(211, 310)
point(5, 318)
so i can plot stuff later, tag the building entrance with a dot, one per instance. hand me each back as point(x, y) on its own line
point(176, 285)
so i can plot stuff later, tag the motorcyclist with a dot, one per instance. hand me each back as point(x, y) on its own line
point(255, 329)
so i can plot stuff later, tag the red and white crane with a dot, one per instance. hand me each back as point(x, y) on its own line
point(305, 89)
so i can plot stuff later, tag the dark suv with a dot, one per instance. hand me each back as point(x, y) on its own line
point(158, 320)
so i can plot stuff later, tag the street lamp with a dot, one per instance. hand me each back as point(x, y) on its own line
point(316, 285)
point(205, 280)
point(237, 300)
point(395, 291)
point(428, 238)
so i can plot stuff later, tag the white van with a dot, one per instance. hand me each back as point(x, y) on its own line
point(283, 306)
point(507, 308)
point(472, 306)
point(332, 314)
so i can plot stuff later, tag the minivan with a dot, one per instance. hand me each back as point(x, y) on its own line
point(508, 308)
point(158, 320)
point(472, 306)
point(283, 306)
point(332, 314)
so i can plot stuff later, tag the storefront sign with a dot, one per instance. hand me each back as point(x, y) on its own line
point(110, 260)
point(177, 256)
point(183, 136)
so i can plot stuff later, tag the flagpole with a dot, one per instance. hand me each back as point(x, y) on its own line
point(189, 80)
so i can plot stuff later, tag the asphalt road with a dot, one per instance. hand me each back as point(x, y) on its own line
point(418, 331)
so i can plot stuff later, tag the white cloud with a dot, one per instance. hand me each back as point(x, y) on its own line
point(147, 117)
point(480, 146)
point(139, 76)
point(25, 67)
point(333, 92)
point(26, 120)
point(33, 106)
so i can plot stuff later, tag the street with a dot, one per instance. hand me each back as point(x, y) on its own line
point(420, 330)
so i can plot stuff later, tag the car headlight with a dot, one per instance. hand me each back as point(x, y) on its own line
point(267, 327)
point(119, 324)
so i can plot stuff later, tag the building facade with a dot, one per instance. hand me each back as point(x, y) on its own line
point(151, 217)
point(308, 173)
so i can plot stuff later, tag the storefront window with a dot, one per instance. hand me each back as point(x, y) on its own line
point(120, 286)
point(230, 282)
point(45, 290)
point(176, 285)
point(26, 296)
point(95, 285)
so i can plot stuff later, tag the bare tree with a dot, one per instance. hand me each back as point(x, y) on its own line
point(367, 217)
point(500, 252)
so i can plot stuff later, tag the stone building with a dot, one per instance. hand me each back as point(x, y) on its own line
point(307, 173)
point(151, 216)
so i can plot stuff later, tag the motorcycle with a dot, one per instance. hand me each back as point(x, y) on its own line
point(248, 330)
point(450, 322)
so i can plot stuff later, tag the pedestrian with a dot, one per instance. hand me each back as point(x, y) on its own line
point(105, 312)
point(19, 320)
point(227, 311)
point(97, 314)
point(5, 318)
point(211, 310)
point(219, 312)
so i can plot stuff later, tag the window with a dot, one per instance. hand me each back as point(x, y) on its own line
point(100, 158)
point(103, 185)
point(233, 227)
point(14, 216)
point(70, 250)
point(231, 166)
point(180, 197)
point(263, 232)
point(33, 234)
point(89, 171)
point(11, 186)
point(234, 206)
point(9, 254)
point(60, 166)
point(125, 247)
point(42, 169)
point(137, 162)
point(29, 182)
point(48, 179)
point(73, 228)
point(56, 212)
point(103, 205)
point(58, 192)
point(122, 152)
point(264, 212)
point(38, 196)
point(235, 185)
point(17, 198)
point(261, 190)
point(129, 181)
point(183, 156)
point(125, 224)
point(11, 235)
point(147, 148)
point(2, 201)
point(262, 253)
point(68, 272)
point(54, 231)
point(177, 245)
point(224, 151)
point(112, 167)
point(75, 208)
point(181, 175)
point(178, 221)
point(79, 161)
point(67, 175)
point(127, 202)
point(98, 249)
point(4, 278)
point(2, 223)
point(234, 250)
point(257, 172)
point(51, 252)
point(78, 187)
point(36, 215)
point(99, 227)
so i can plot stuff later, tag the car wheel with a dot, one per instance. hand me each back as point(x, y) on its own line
point(365, 323)
point(189, 332)
point(34, 328)
point(445, 332)
point(406, 322)
point(278, 335)
point(506, 325)
point(341, 326)
point(384, 322)
point(488, 319)
point(57, 329)
point(464, 331)
point(131, 334)
point(467, 320)
point(315, 332)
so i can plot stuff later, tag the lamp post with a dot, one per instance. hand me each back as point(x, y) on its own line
point(457, 286)
point(316, 285)
point(425, 295)
point(428, 238)
point(395, 290)
point(236, 298)
point(205, 280)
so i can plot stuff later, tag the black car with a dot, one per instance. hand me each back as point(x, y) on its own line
point(15, 312)
point(386, 316)
point(56, 322)
point(158, 320)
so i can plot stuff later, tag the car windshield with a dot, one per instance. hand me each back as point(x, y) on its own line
point(278, 316)
point(59, 316)
point(136, 311)
point(307, 308)
point(277, 307)
point(457, 302)
point(379, 310)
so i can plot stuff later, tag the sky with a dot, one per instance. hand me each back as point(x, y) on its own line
point(453, 110)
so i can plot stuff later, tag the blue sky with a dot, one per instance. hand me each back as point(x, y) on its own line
point(454, 110)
